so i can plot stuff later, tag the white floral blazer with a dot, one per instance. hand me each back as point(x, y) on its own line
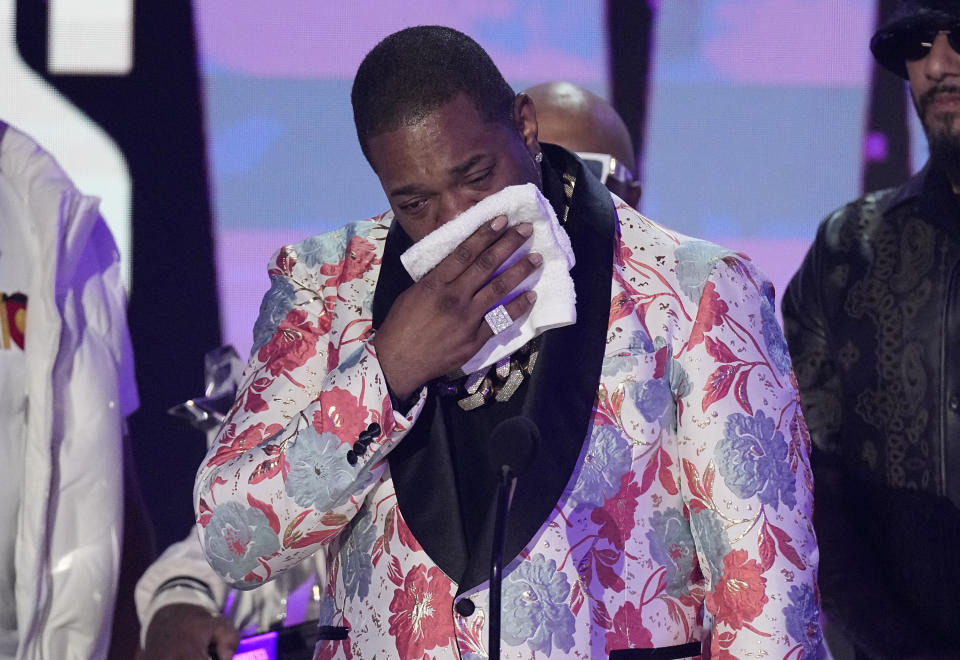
point(689, 490)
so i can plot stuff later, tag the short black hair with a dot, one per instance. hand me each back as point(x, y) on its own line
point(414, 71)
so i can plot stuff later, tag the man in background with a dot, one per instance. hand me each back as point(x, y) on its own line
point(873, 323)
point(577, 119)
point(66, 386)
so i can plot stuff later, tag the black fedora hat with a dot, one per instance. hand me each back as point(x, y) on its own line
point(910, 16)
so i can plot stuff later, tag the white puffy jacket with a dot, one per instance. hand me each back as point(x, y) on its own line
point(80, 388)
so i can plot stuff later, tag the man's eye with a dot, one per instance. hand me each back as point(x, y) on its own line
point(481, 177)
point(413, 206)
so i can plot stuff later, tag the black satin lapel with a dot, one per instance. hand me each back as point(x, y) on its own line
point(563, 386)
point(393, 279)
point(423, 476)
point(421, 466)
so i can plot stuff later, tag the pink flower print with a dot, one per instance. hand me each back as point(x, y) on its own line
point(421, 612)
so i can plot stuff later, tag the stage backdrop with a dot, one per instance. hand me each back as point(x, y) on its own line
point(755, 132)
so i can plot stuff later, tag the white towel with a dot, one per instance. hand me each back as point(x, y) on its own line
point(556, 298)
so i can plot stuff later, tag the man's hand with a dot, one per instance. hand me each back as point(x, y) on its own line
point(437, 324)
point(184, 631)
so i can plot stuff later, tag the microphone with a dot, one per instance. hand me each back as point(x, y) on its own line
point(512, 446)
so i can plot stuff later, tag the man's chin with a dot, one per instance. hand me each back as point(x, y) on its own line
point(943, 123)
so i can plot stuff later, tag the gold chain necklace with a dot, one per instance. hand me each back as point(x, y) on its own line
point(497, 382)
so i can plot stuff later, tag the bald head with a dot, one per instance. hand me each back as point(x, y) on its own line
point(579, 120)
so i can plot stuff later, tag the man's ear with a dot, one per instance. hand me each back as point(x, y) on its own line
point(525, 119)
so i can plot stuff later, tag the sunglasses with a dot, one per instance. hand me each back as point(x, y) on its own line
point(605, 166)
point(916, 43)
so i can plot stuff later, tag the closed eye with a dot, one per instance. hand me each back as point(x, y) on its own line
point(413, 205)
point(479, 178)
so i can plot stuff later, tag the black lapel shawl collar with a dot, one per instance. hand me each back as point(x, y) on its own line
point(421, 466)
point(559, 398)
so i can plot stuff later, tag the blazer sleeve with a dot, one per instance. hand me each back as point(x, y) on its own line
point(309, 433)
point(745, 476)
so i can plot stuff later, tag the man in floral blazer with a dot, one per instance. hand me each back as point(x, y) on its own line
point(672, 471)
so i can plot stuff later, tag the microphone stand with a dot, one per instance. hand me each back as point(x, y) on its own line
point(505, 488)
point(512, 445)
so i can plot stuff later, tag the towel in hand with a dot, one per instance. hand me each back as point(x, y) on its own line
point(556, 298)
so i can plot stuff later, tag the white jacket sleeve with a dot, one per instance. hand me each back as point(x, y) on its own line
point(180, 575)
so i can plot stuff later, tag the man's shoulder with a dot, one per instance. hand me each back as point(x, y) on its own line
point(331, 247)
point(651, 241)
point(39, 183)
point(683, 262)
point(871, 204)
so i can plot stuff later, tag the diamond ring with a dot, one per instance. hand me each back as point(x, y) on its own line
point(498, 319)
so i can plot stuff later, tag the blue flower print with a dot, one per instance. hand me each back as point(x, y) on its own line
point(329, 248)
point(653, 398)
point(773, 337)
point(535, 608)
point(276, 304)
point(803, 621)
point(695, 261)
point(236, 536)
point(678, 378)
point(625, 360)
point(607, 459)
point(322, 249)
point(676, 375)
point(351, 360)
point(328, 610)
point(621, 361)
point(355, 562)
point(671, 545)
point(711, 540)
point(752, 458)
point(320, 476)
point(640, 342)
point(677, 382)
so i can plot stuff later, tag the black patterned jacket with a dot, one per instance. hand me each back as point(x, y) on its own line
point(872, 320)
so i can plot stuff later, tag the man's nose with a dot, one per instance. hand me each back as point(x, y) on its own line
point(942, 60)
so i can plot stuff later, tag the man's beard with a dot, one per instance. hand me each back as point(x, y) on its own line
point(942, 131)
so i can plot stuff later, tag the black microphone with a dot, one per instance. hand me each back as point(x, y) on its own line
point(512, 445)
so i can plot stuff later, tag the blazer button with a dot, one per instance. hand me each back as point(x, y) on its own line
point(374, 428)
point(465, 607)
point(352, 457)
point(359, 448)
point(954, 403)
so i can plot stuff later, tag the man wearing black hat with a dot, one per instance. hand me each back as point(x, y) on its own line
point(873, 324)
